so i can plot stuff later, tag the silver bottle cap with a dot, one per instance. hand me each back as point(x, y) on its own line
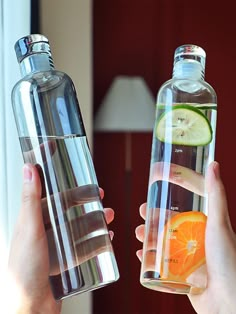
point(32, 44)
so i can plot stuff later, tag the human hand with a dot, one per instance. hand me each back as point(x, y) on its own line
point(64, 206)
point(78, 226)
point(220, 247)
point(189, 180)
point(28, 265)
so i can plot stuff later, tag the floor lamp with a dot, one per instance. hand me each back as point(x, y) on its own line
point(127, 107)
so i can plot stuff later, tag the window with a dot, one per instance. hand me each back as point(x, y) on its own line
point(14, 23)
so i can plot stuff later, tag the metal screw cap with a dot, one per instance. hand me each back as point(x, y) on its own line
point(32, 44)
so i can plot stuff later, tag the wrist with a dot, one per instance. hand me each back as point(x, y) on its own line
point(19, 300)
point(45, 307)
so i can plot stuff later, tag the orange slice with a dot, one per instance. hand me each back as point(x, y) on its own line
point(184, 245)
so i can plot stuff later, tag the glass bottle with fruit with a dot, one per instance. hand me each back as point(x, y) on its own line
point(183, 146)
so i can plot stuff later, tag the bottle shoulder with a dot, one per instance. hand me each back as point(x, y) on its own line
point(187, 90)
point(187, 83)
point(44, 80)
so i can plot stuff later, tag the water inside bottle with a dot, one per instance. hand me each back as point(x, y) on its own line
point(73, 213)
point(176, 185)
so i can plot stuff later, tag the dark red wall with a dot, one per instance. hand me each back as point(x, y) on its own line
point(139, 38)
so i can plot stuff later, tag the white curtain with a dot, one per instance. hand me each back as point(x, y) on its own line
point(14, 23)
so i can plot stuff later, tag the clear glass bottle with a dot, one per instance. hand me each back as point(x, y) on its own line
point(52, 136)
point(182, 148)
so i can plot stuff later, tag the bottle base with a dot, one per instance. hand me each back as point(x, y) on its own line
point(171, 286)
point(95, 273)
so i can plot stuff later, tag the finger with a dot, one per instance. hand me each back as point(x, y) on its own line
point(111, 233)
point(143, 210)
point(218, 214)
point(45, 149)
point(70, 198)
point(31, 201)
point(90, 237)
point(101, 191)
point(152, 239)
point(109, 215)
point(139, 254)
point(150, 260)
point(179, 175)
point(139, 232)
point(85, 246)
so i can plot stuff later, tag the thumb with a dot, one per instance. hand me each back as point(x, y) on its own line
point(218, 214)
point(31, 212)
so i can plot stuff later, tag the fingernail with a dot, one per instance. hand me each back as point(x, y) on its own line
point(27, 173)
point(139, 254)
point(111, 233)
point(216, 169)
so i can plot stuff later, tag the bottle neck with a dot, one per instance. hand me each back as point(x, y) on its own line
point(188, 69)
point(37, 62)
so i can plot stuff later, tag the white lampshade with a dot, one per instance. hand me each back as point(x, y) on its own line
point(128, 106)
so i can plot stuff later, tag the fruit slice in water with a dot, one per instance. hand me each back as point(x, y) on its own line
point(184, 125)
point(184, 248)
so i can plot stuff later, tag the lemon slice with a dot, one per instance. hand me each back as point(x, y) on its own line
point(184, 125)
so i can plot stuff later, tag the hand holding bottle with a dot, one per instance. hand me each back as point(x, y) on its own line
point(29, 258)
point(52, 136)
point(67, 199)
point(220, 247)
point(220, 243)
point(183, 145)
